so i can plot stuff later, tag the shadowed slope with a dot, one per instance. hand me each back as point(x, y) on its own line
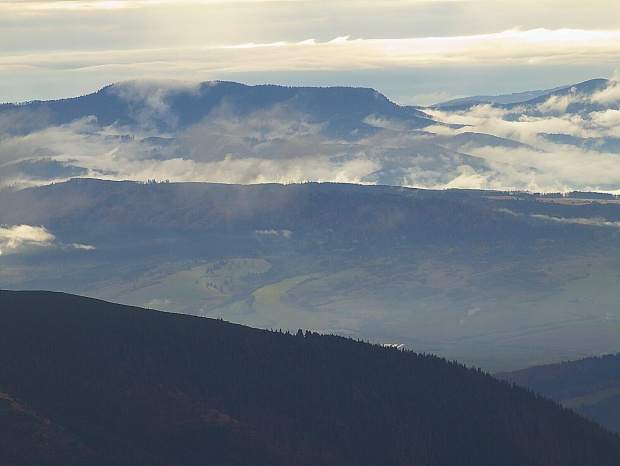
point(174, 389)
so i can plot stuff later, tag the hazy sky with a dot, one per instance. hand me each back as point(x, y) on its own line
point(416, 51)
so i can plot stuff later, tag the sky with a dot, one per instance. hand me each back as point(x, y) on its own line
point(415, 52)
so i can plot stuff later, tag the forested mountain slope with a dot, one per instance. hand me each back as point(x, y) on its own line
point(134, 385)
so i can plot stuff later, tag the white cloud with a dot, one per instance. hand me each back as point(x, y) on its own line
point(19, 238)
point(610, 96)
point(74, 5)
point(286, 234)
point(148, 99)
point(470, 313)
point(123, 4)
point(85, 247)
point(55, 44)
point(511, 47)
point(56, 49)
point(597, 221)
point(13, 238)
point(544, 165)
point(49, 46)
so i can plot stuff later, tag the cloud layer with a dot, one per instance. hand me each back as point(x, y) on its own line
point(54, 49)
point(543, 163)
point(509, 47)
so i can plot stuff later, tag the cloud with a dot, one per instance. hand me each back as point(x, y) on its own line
point(148, 99)
point(543, 164)
point(470, 313)
point(85, 247)
point(277, 122)
point(286, 234)
point(157, 303)
point(558, 104)
point(53, 48)
point(124, 4)
point(610, 96)
point(264, 147)
point(510, 47)
point(19, 238)
point(16, 237)
point(596, 221)
point(81, 143)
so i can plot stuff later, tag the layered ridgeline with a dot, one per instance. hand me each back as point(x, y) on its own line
point(590, 386)
point(233, 133)
point(88, 382)
point(497, 280)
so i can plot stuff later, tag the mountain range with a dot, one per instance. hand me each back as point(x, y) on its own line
point(259, 211)
point(234, 133)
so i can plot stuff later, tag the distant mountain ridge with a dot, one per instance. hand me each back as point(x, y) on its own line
point(173, 106)
point(590, 386)
point(513, 98)
point(530, 100)
point(234, 133)
point(138, 386)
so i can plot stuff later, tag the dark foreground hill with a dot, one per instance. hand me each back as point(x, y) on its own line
point(590, 386)
point(85, 381)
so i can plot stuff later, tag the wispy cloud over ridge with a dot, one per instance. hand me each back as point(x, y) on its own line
point(596, 221)
point(16, 239)
point(554, 165)
point(533, 146)
point(12, 238)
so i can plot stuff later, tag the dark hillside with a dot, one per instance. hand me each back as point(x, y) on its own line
point(28, 437)
point(135, 385)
